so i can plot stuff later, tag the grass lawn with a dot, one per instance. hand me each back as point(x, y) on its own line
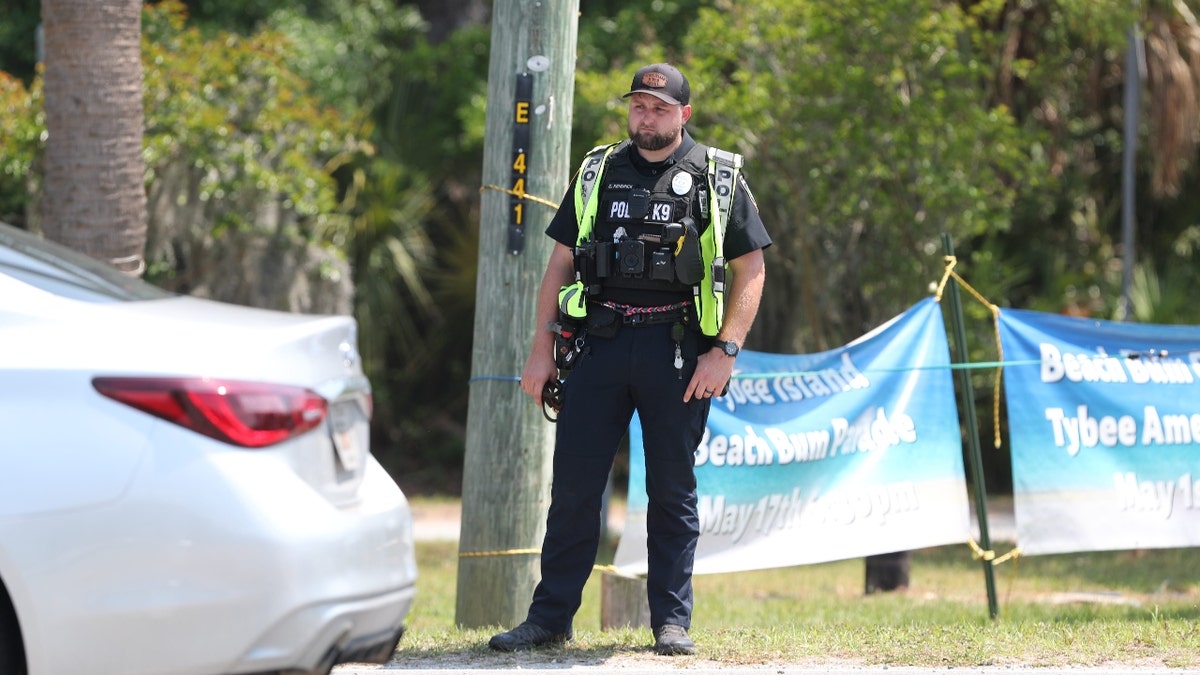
point(1079, 610)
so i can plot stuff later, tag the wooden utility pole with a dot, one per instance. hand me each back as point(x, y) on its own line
point(506, 473)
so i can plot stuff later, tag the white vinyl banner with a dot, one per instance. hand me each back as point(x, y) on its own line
point(1104, 425)
point(829, 456)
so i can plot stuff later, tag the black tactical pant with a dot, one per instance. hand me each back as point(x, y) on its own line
point(633, 370)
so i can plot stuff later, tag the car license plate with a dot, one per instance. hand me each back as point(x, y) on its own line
point(350, 432)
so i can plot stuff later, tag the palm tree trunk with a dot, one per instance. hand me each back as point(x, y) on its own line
point(94, 196)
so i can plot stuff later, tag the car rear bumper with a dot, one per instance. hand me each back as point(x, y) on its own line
point(364, 631)
point(281, 579)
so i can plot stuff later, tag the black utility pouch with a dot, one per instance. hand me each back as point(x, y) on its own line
point(568, 343)
point(604, 258)
point(689, 263)
point(662, 267)
point(585, 264)
point(602, 321)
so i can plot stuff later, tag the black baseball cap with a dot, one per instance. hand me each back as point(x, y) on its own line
point(664, 81)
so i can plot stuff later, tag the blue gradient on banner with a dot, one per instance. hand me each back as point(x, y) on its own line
point(878, 411)
point(1104, 433)
point(1128, 377)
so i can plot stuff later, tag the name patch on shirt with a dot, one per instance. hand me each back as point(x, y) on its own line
point(625, 211)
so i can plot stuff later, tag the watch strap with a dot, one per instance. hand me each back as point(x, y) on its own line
point(730, 347)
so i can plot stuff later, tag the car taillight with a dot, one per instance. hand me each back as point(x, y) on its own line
point(249, 414)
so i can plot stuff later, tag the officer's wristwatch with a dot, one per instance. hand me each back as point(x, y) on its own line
point(730, 347)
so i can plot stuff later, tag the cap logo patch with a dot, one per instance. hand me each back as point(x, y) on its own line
point(654, 80)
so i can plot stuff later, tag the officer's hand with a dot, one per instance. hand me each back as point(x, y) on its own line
point(539, 369)
point(713, 370)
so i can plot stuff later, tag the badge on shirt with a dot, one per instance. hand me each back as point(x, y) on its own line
point(681, 183)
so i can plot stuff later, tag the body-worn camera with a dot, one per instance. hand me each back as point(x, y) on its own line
point(631, 257)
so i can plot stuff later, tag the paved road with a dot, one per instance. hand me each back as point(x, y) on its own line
point(669, 667)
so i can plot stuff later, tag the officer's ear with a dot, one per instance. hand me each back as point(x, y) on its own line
point(686, 112)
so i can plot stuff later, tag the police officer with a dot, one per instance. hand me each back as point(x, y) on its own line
point(644, 351)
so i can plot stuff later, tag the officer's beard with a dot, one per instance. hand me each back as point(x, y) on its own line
point(650, 141)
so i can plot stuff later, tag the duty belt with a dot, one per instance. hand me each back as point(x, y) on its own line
point(632, 315)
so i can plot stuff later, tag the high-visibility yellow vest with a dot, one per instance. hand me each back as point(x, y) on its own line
point(723, 169)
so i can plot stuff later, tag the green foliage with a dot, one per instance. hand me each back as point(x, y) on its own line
point(1048, 64)
point(431, 124)
point(244, 121)
point(1061, 67)
point(611, 33)
point(238, 16)
point(348, 45)
point(21, 128)
point(18, 39)
point(434, 112)
point(391, 253)
point(867, 136)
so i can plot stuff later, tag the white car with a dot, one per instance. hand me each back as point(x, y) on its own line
point(186, 486)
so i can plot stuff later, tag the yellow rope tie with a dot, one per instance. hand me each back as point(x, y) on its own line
point(1011, 555)
point(978, 553)
point(492, 554)
point(521, 195)
point(528, 551)
point(990, 556)
point(951, 263)
point(1014, 555)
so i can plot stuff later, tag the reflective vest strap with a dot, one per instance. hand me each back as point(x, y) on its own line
point(723, 169)
point(585, 192)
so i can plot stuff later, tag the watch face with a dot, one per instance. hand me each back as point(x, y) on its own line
point(730, 347)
